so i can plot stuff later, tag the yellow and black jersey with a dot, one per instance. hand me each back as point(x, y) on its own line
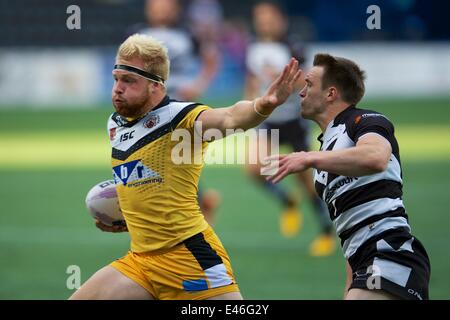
point(158, 193)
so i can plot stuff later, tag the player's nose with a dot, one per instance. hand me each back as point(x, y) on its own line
point(118, 88)
point(302, 93)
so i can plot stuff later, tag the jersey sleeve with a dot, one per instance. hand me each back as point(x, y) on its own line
point(189, 120)
point(372, 123)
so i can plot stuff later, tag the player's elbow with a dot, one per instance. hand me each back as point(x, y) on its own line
point(228, 120)
point(376, 158)
point(378, 166)
point(377, 163)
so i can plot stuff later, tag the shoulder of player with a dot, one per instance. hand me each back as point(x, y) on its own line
point(357, 119)
point(177, 105)
point(365, 115)
point(354, 116)
point(184, 114)
point(180, 109)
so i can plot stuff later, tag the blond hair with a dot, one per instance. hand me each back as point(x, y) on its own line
point(151, 51)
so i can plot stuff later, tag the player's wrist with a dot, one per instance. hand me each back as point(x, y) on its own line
point(259, 108)
point(311, 159)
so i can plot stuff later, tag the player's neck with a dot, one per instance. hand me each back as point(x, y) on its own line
point(156, 98)
point(330, 114)
point(154, 101)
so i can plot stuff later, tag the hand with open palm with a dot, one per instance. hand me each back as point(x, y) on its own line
point(282, 87)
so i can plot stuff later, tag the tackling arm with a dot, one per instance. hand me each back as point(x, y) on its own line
point(370, 155)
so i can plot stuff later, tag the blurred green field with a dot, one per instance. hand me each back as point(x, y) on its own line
point(49, 159)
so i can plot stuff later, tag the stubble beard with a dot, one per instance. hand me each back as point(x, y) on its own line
point(132, 109)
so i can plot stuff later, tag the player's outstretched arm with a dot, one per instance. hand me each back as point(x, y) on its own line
point(370, 155)
point(248, 114)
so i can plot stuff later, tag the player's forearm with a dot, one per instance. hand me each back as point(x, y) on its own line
point(353, 162)
point(242, 115)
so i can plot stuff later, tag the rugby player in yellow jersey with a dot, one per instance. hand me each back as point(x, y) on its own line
point(174, 253)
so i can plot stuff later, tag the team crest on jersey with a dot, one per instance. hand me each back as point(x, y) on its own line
point(134, 173)
point(151, 122)
point(112, 133)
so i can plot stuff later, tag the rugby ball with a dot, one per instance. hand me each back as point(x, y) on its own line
point(103, 204)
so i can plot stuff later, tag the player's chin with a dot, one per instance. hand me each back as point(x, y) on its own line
point(123, 108)
point(304, 112)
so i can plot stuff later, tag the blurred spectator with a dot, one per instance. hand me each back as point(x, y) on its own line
point(266, 58)
point(42, 23)
point(205, 19)
point(194, 63)
point(234, 39)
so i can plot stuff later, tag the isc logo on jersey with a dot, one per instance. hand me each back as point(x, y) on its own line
point(134, 173)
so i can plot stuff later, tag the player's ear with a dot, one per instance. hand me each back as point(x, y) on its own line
point(332, 94)
point(152, 87)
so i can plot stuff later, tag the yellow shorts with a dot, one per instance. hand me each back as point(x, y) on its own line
point(198, 268)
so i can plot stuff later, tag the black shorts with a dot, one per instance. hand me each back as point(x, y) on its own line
point(393, 261)
point(294, 133)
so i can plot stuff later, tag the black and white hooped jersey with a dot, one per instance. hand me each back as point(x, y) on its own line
point(361, 207)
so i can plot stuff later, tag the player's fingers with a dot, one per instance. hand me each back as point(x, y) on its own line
point(292, 62)
point(98, 224)
point(276, 157)
point(292, 70)
point(272, 178)
point(297, 76)
point(281, 78)
point(120, 228)
point(102, 226)
point(280, 176)
point(285, 75)
point(270, 169)
point(107, 228)
point(276, 172)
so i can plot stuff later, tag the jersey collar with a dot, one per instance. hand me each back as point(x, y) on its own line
point(164, 102)
point(340, 118)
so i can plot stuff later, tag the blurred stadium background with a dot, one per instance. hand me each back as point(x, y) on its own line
point(54, 100)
